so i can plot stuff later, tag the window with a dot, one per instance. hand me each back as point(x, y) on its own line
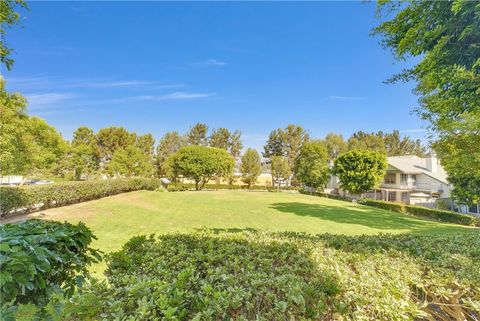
point(414, 180)
point(390, 178)
point(403, 179)
point(392, 196)
point(405, 197)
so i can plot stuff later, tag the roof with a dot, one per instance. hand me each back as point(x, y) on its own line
point(416, 165)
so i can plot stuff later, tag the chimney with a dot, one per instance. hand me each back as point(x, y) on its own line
point(432, 162)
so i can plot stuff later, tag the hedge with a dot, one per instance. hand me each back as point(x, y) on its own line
point(434, 214)
point(186, 187)
point(395, 207)
point(327, 195)
point(442, 215)
point(24, 199)
point(262, 276)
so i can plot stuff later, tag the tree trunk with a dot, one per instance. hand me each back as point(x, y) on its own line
point(196, 185)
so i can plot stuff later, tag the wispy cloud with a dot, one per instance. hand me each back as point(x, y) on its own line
point(47, 100)
point(178, 95)
point(46, 82)
point(208, 63)
point(346, 98)
point(416, 130)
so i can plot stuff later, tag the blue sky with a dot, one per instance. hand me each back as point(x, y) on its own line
point(156, 66)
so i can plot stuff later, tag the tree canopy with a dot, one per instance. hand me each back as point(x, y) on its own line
point(360, 171)
point(445, 35)
point(250, 167)
point(311, 165)
point(200, 164)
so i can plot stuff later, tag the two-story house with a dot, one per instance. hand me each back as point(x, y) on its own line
point(410, 180)
point(413, 180)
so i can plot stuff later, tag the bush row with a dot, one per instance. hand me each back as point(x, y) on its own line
point(434, 214)
point(327, 195)
point(186, 187)
point(35, 197)
point(288, 276)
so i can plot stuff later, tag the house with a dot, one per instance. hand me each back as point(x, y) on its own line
point(411, 180)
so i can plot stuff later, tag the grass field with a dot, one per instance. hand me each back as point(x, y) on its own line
point(116, 219)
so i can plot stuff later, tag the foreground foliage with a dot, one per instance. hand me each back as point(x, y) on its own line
point(35, 197)
point(260, 276)
point(39, 259)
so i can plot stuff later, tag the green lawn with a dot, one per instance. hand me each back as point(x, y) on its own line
point(116, 219)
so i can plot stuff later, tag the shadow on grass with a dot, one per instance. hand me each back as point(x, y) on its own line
point(366, 216)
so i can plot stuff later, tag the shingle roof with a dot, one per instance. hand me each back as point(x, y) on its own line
point(416, 165)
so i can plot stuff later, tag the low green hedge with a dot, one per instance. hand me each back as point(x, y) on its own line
point(288, 276)
point(26, 199)
point(327, 195)
point(434, 214)
point(187, 187)
point(442, 215)
point(396, 207)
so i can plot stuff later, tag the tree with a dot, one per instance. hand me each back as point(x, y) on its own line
point(311, 165)
point(111, 139)
point(445, 35)
point(83, 157)
point(398, 146)
point(130, 161)
point(200, 164)
point(198, 135)
point(220, 138)
point(9, 17)
point(360, 170)
point(280, 169)
point(285, 142)
point(251, 167)
point(168, 145)
point(335, 144)
point(27, 144)
point(367, 141)
point(146, 143)
point(235, 144)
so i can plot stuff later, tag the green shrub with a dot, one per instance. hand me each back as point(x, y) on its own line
point(443, 216)
point(288, 276)
point(34, 197)
point(395, 207)
point(327, 195)
point(41, 258)
point(186, 187)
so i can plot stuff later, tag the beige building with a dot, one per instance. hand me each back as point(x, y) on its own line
point(411, 180)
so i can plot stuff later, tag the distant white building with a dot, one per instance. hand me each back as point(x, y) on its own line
point(410, 180)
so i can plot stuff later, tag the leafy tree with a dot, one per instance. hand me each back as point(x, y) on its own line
point(398, 146)
point(280, 169)
point(84, 136)
point(14, 156)
point(251, 167)
point(286, 142)
point(111, 139)
point(146, 143)
point(335, 144)
point(360, 170)
point(235, 144)
point(200, 164)
point(82, 159)
point(198, 135)
point(274, 145)
point(311, 165)
point(130, 162)
point(9, 17)
point(220, 138)
point(27, 144)
point(169, 144)
point(445, 35)
point(367, 141)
